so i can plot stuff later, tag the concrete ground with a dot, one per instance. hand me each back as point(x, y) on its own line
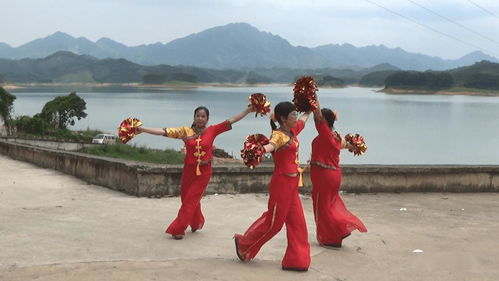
point(56, 227)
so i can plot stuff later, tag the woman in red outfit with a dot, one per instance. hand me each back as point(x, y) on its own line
point(284, 205)
point(333, 220)
point(196, 174)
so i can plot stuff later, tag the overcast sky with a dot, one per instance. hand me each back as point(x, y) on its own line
point(308, 23)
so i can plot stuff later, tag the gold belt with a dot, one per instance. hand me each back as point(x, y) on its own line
point(322, 165)
point(205, 162)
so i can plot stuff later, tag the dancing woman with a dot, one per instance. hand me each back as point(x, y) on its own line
point(284, 205)
point(333, 220)
point(196, 174)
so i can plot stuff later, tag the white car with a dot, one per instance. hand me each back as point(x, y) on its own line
point(104, 139)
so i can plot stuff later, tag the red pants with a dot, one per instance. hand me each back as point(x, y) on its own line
point(332, 218)
point(191, 190)
point(284, 207)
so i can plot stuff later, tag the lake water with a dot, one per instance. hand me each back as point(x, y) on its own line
point(399, 129)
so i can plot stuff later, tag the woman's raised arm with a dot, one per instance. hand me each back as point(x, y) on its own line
point(241, 115)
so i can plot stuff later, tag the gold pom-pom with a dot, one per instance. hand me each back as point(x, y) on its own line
point(253, 150)
point(128, 129)
point(304, 94)
point(358, 146)
point(260, 102)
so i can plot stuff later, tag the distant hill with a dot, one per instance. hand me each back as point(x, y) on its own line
point(483, 75)
point(375, 79)
point(66, 67)
point(238, 46)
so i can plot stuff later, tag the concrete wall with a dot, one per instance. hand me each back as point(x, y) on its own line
point(68, 146)
point(142, 179)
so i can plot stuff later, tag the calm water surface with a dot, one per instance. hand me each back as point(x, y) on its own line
point(408, 129)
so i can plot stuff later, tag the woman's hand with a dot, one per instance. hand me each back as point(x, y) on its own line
point(251, 108)
point(304, 116)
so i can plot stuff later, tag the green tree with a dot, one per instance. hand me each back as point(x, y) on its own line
point(328, 80)
point(482, 81)
point(31, 125)
point(6, 103)
point(62, 111)
point(155, 78)
point(428, 80)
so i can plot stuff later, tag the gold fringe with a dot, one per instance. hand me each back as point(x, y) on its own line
point(198, 171)
point(300, 179)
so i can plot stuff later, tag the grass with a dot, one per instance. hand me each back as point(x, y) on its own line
point(135, 153)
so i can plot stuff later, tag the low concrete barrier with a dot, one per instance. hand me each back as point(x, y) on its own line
point(150, 180)
point(68, 146)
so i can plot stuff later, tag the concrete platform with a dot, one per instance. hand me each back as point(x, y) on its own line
point(56, 227)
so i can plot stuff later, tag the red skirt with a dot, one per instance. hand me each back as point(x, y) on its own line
point(332, 218)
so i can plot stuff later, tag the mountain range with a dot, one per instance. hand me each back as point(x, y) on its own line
point(238, 46)
point(67, 67)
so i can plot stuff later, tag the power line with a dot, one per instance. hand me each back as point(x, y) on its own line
point(483, 9)
point(453, 22)
point(431, 28)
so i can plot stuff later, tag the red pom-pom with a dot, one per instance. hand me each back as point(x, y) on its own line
point(359, 147)
point(128, 129)
point(259, 101)
point(253, 151)
point(304, 96)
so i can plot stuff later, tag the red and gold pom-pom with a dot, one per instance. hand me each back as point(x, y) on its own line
point(259, 101)
point(253, 150)
point(359, 147)
point(304, 96)
point(128, 129)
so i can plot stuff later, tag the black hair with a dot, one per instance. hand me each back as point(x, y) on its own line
point(196, 111)
point(329, 116)
point(282, 109)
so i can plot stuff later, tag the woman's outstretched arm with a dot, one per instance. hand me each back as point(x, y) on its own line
point(268, 148)
point(152, 131)
point(241, 115)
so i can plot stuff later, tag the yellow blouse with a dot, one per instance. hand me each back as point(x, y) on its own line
point(179, 133)
point(279, 139)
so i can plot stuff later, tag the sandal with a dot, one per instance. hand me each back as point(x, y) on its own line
point(236, 241)
point(178, 237)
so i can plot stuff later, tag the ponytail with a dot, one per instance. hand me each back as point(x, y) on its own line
point(329, 116)
point(272, 125)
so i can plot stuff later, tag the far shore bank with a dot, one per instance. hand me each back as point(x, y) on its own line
point(179, 86)
point(175, 86)
point(187, 86)
point(451, 92)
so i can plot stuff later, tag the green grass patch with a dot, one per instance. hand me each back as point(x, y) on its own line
point(136, 153)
